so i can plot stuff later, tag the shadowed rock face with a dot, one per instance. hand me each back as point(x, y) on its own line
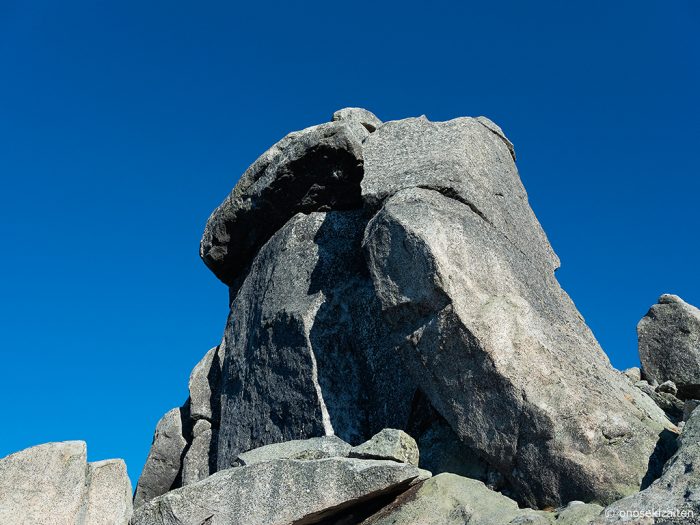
point(316, 169)
point(53, 483)
point(307, 353)
point(374, 264)
point(669, 344)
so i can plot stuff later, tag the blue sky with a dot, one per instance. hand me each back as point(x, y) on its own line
point(123, 124)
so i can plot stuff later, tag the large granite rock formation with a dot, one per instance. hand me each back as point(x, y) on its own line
point(54, 484)
point(394, 275)
point(669, 344)
point(393, 305)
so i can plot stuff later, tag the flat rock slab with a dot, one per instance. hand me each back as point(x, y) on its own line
point(279, 492)
point(669, 344)
point(54, 484)
point(301, 449)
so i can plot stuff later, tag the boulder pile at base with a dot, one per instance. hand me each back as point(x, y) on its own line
point(399, 351)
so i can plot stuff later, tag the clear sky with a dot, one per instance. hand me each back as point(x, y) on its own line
point(123, 124)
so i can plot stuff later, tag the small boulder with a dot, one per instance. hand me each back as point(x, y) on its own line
point(669, 344)
point(668, 387)
point(634, 374)
point(391, 444)
point(361, 115)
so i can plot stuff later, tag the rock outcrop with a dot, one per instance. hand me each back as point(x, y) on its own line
point(669, 345)
point(675, 496)
point(54, 484)
point(393, 275)
point(280, 492)
point(394, 306)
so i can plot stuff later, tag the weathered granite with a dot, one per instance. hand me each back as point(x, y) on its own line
point(669, 344)
point(279, 492)
point(493, 342)
point(301, 449)
point(389, 443)
point(54, 484)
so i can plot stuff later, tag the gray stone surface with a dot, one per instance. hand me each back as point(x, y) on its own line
point(279, 492)
point(200, 458)
point(688, 407)
point(669, 344)
point(389, 443)
point(670, 404)
point(676, 491)
point(495, 343)
point(634, 374)
point(307, 353)
point(300, 449)
point(204, 386)
point(162, 469)
point(668, 387)
point(361, 115)
point(54, 484)
point(578, 513)
point(108, 500)
point(448, 499)
point(464, 160)
point(316, 169)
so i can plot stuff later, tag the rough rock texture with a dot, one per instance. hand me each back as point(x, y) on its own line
point(389, 443)
point(670, 404)
point(161, 472)
point(109, 494)
point(448, 499)
point(669, 344)
point(369, 270)
point(204, 386)
point(53, 483)
point(464, 160)
point(302, 449)
point(578, 513)
point(306, 352)
point(493, 341)
point(316, 169)
point(676, 491)
point(279, 492)
point(368, 119)
point(200, 458)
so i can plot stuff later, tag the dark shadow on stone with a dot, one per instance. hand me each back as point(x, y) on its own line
point(324, 178)
point(362, 382)
point(666, 446)
point(187, 428)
